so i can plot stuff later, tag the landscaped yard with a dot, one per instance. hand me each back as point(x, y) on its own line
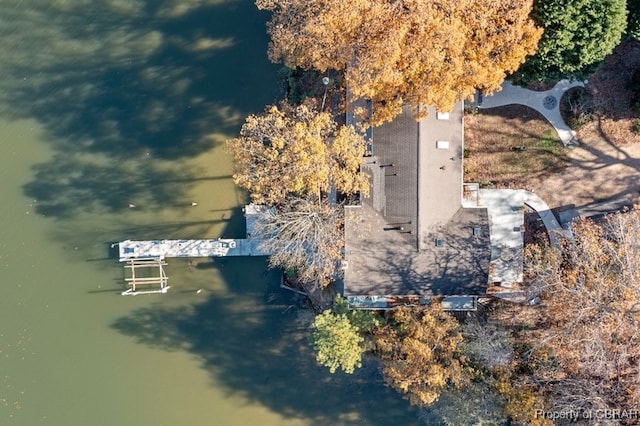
point(507, 146)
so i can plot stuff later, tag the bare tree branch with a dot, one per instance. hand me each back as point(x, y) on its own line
point(590, 296)
point(304, 235)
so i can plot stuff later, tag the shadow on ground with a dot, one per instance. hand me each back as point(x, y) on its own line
point(253, 339)
point(118, 84)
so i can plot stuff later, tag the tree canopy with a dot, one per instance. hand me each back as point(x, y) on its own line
point(590, 308)
point(304, 235)
point(419, 352)
point(413, 51)
point(337, 342)
point(633, 20)
point(578, 34)
point(296, 150)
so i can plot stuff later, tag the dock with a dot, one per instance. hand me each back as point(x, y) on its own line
point(149, 255)
point(161, 249)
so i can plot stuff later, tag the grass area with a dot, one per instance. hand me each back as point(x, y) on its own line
point(508, 145)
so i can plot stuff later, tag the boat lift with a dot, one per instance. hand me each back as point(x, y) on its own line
point(141, 278)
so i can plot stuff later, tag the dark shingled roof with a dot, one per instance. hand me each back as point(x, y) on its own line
point(416, 199)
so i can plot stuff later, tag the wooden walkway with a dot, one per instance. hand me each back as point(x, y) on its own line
point(161, 249)
point(131, 249)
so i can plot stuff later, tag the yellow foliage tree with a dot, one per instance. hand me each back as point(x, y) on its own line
point(296, 150)
point(430, 52)
point(419, 352)
point(522, 403)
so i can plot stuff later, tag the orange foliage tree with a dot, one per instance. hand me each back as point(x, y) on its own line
point(430, 52)
point(420, 354)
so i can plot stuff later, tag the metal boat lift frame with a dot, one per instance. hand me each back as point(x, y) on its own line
point(159, 283)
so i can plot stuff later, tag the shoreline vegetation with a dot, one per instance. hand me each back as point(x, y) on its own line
point(519, 357)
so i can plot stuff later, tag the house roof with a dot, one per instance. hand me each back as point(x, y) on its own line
point(383, 262)
point(412, 236)
point(414, 164)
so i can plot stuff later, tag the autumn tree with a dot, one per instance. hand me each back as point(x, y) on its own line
point(406, 51)
point(578, 34)
point(296, 150)
point(420, 354)
point(305, 235)
point(337, 342)
point(474, 404)
point(590, 307)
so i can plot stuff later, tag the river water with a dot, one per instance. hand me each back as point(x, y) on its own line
point(110, 103)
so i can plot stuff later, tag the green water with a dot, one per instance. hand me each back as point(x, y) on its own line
point(106, 103)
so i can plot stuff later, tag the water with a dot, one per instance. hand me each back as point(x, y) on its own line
point(107, 103)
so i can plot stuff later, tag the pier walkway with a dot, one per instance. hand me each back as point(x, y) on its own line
point(144, 256)
point(132, 249)
point(161, 249)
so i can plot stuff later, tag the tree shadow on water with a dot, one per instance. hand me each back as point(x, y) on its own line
point(255, 346)
point(130, 83)
point(66, 184)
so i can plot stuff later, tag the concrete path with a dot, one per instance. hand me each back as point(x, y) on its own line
point(513, 199)
point(507, 243)
point(547, 103)
point(554, 230)
point(505, 220)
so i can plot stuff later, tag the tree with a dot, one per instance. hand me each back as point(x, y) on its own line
point(304, 235)
point(487, 344)
point(590, 307)
point(366, 321)
point(339, 335)
point(337, 342)
point(633, 19)
point(578, 34)
point(475, 404)
point(419, 352)
point(296, 150)
point(413, 51)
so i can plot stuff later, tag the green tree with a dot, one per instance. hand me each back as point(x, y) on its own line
point(366, 321)
point(405, 51)
point(337, 342)
point(296, 150)
point(633, 20)
point(420, 354)
point(578, 34)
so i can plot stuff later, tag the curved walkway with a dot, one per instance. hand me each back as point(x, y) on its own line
point(546, 103)
point(504, 208)
point(554, 230)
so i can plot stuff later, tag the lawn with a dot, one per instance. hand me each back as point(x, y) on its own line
point(506, 146)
